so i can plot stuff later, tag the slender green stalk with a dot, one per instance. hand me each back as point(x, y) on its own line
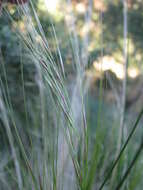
point(122, 150)
point(137, 154)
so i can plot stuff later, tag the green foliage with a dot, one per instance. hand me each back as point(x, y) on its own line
point(37, 96)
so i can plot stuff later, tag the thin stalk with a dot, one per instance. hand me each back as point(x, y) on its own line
point(11, 142)
point(10, 111)
point(124, 84)
point(122, 150)
point(101, 62)
point(138, 152)
point(8, 129)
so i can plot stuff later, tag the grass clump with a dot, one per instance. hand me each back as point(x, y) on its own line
point(51, 141)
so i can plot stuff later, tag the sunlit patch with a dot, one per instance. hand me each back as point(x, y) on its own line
point(11, 10)
point(87, 28)
point(133, 72)
point(69, 20)
point(22, 27)
point(80, 8)
point(38, 39)
point(109, 63)
point(138, 57)
point(99, 5)
point(52, 5)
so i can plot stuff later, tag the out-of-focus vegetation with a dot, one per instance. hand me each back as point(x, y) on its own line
point(90, 32)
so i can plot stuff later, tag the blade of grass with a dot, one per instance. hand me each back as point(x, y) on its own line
point(122, 150)
point(138, 152)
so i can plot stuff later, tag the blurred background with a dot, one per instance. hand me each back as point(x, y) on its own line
point(99, 37)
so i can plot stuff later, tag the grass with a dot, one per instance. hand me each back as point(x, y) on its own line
point(53, 147)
